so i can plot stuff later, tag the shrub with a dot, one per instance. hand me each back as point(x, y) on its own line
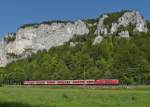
point(148, 25)
point(91, 21)
point(10, 38)
point(112, 17)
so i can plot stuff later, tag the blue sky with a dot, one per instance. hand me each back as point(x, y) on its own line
point(14, 13)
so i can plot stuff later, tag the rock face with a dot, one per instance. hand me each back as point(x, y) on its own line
point(124, 34)
point(3, 59)
point(43, 37)
point(127, 19)
point(31, 39)
point(101, 29)
point(134, 18)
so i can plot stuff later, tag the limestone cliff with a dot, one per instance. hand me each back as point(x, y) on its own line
point(42, 37)
point(32, 38)
point(129, 18)
point(120, 23)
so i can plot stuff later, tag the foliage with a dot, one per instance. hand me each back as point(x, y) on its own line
point(129, 28)
point(127, 60)
point(10, 38)
point(90, 21)
point(148, 25)
point(112, 17)
point(35, 25)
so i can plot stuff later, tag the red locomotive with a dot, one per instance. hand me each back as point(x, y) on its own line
point(73, 82)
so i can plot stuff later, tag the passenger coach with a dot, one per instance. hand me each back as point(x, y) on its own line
point(73, 82)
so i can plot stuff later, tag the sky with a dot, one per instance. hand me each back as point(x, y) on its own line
point(14, 13)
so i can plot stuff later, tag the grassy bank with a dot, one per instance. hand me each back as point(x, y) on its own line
point(68, 97)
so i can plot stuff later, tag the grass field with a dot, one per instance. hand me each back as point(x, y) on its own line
point(76, 97)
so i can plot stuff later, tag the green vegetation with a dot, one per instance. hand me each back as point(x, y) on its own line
point(10, 38)
point(113, 18)
point(35, 25)
point(91, 21)
point(130, 28)
point(52, 97)
point(127, 60)
point(57, 21)
point(148, 25)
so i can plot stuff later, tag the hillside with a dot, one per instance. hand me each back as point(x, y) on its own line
point(114, 45)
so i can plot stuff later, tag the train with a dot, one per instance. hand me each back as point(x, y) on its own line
point(73, 82)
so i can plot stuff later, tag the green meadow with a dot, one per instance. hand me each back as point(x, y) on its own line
point(73, 97)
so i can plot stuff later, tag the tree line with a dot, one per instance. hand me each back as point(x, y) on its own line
point(124, 59)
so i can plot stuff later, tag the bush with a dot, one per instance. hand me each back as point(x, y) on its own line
point(10, 38)
point(112, 17)
point(148, 25)
point(0, 85)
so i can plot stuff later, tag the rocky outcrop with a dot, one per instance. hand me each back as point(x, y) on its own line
point(131, 18)
point(101, 29)
point(98, 40)
point(124, 34)
point(43, 37)
point(3, 59)
point(135, 19)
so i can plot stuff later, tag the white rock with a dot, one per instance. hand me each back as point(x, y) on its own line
point(80, 28)
point(97, 40)
point(73, 44)
point(3, 59)
point(124, 34)
point(114, 28)
point(42, 37)
point(134, 18)
point(100, 27)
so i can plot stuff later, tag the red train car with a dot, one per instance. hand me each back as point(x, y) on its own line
point(73, 82)
point(107, 82)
